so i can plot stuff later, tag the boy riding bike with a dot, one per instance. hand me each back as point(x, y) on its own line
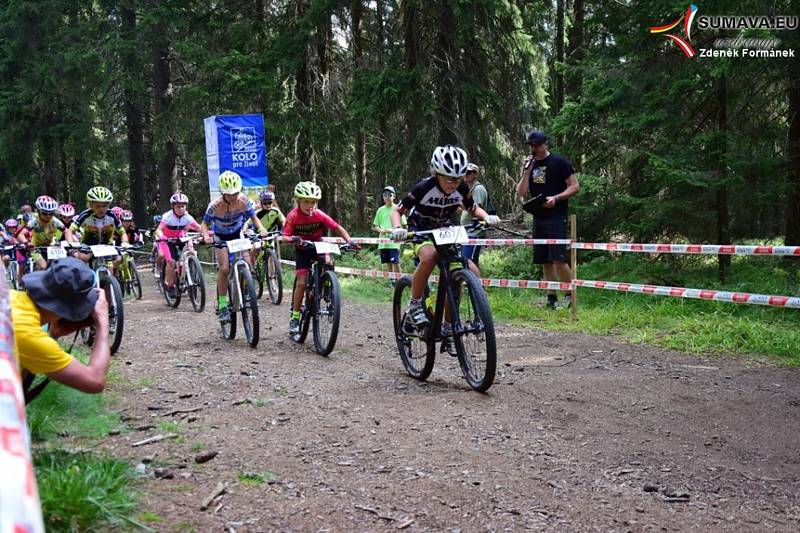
point(174, 224)
point(227, 215)
point(43, 229)
point(97, 224)
point(434, 200)
point(307, 223)
point(65, 214)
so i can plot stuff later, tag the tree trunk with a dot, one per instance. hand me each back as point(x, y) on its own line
point(723, 216)
point(558, 92)
point(162, 92)
point(302, 98)
point(51, 174)
point(361, 145)
point(133, 116)
point(413, 165)
point(383, 118)
point(66, 190)
point(574, 82)
point(793, 174)
point(445, 66)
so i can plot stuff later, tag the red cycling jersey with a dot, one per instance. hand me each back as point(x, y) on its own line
point(308, 227)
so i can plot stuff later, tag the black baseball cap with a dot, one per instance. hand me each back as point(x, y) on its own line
point(537, 137)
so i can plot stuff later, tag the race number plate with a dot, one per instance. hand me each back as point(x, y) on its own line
point(239, 245)
point(327, 248)
point(56, 252)
point(103, 250)
point(451, 235)
point(186, 238)
point(257, 245)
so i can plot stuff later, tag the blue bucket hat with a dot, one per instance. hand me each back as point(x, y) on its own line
point(65, 288)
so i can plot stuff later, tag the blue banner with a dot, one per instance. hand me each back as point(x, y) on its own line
point(237, 143)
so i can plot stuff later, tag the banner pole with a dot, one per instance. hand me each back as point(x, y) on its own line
point(573, 260)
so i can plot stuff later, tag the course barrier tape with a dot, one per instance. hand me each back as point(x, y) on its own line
point(480, 242)
point(20, 511)
point(487, 282)
point(711, 249)
point(702, 294)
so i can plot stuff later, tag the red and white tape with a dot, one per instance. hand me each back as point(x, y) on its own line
point(712, 249)
point(481, 242)
point(702, 294)
point(19, 500)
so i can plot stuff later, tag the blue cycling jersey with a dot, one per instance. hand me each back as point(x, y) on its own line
point(228, 218)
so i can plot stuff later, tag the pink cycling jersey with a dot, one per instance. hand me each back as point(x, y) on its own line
point(308, 227)
point(173, 226)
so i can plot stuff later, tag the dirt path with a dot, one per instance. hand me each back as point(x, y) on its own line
point(578, 432)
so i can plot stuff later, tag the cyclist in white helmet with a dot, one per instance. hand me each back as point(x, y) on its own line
point(44, 229)
point(226, 216)
point(434, 200)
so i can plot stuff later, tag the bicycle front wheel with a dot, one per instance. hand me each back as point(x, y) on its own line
point(417, 351)
point(116, 314)
point(258, 274)
point(273, 276)
point(136, 282)
point(229, 328)
point(249, 304)
point(474, 331)
point(196, 286)
point(327, 309)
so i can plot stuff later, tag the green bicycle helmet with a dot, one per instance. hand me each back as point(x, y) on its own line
point(230, 182)
point(99, 194)
point(307, 190)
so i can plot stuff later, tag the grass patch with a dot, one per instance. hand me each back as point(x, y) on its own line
point(61, 410)
point(170, 427)
point(694, 326)
point(81, 492)
point(254, 479)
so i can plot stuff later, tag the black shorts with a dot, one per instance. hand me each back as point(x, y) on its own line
point(304, 258)
point(549, 228)
point(390, 255)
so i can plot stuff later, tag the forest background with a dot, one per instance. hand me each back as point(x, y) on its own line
point(356, 94)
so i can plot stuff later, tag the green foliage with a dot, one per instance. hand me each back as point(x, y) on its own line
point(61, 410)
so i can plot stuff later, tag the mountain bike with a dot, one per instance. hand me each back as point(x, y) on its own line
point(241, 291)
point(189, 277)
point(128, 275)
point(102, 256)
point(267, 268)
point(321, 307)
point(468, 306)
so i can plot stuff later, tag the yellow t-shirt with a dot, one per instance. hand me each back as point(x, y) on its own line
point(37, 352)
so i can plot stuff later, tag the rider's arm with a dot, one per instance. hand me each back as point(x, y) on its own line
point(90, 378)
point(522, 185)
point(68, 235)
point(396, 218)
point(22, 236)
point(343, 233)
point(204, 231)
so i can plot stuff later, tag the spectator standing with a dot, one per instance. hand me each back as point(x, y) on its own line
point(480, 196)
point(382, 223)
point(549, 180)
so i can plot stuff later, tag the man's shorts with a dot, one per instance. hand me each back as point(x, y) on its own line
point(549, 228)
point(389, 255)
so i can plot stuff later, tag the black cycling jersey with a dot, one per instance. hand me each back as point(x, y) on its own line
point(432, 208)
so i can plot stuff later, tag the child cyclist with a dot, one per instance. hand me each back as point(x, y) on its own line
point(44, 229)
point(65, 214)
point(307, 223)
point(134, 234)
point(271, 217)
point(97, 224)
point(174, 224)
point(226, 216)
point(434, 200)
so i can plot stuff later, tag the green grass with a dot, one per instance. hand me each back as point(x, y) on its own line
point(61, 410)
point(694, 326)
point(82, 492)
point(170, 427)
point(254, 479)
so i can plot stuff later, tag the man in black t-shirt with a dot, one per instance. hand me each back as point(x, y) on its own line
point(549, 181)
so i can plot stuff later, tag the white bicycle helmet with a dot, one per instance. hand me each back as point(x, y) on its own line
point(450, 161)
point(46, 204)
point(230, 182)
point(66, 210)
point(307, 190)
point(178, 198)
point(127, 215)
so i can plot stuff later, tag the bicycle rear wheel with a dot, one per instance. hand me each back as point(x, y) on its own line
point(417, 351)
point(116, 314)
point(229, 328)
point(327, 310)
point(197, 287)
point(273, 276)
point(258, 274)
point(136, 281)
point(250, 321)
point(474, 331)
point(172, 301)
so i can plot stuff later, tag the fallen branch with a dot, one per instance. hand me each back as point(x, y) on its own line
point(182, 411)
point(376, 513)
point(218, 491)
point(151, 440)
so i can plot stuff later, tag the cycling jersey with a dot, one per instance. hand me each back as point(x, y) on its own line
point(272, 219)
point(97, 230)
point(308, 227)
point(44, 234)
point(432, 207)
point(174, 226)
point(228, 218)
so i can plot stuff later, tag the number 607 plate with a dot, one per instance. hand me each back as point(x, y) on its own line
point(450, 235)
